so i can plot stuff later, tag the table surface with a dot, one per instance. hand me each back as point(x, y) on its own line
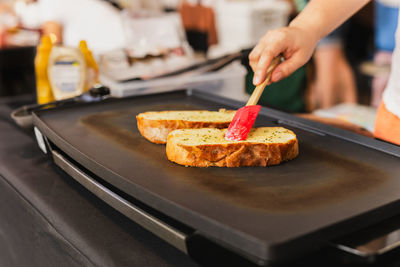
point(48, 219)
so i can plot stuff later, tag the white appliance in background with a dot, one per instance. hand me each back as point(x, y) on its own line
point(240, 24)
point(155, 45)
point(149, 33)
point(227, 82)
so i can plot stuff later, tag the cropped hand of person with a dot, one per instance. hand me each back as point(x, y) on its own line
point(295, 44)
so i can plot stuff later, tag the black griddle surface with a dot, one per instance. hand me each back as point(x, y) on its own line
point(264, 212)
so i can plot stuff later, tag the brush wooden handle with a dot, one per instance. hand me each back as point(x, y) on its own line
point(255, 96)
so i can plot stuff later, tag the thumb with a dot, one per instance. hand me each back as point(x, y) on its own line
point(287, 67)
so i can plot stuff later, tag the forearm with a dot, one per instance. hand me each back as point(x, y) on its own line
point(320, 17)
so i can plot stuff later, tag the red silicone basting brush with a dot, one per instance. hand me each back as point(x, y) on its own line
point(245, 117)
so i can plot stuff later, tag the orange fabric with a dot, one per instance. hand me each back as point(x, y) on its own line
point(387, 125)
point(200, 18)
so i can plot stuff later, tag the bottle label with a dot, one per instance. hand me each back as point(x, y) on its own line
point(66, 75)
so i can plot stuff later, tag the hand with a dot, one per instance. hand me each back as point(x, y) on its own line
point(295, 44)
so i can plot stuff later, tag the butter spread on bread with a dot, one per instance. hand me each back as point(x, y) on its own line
point(155, 126)
point(207, 147)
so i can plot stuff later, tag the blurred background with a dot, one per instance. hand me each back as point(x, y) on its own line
point(157, 45)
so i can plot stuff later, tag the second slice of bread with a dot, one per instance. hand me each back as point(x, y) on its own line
point(207, 147)
point(156, 125)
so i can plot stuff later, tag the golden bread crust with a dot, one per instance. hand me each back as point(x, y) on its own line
point(156, 131)
point(231, 154)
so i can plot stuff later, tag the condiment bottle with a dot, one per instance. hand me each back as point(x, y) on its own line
point(92, 69)
point(43, 87)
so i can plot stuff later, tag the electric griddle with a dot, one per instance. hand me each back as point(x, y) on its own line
point(340, 183)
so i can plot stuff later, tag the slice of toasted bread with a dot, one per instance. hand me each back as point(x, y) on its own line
point(207, 147)
point(155, 126)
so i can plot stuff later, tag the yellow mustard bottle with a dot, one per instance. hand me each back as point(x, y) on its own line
point(92, 72)
point(43, 87)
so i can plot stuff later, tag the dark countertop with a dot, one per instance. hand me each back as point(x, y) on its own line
point(48, 219)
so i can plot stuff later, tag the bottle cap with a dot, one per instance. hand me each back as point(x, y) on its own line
point(83, 46)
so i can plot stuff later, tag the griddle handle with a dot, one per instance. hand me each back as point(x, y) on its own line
point(371, 243)
point(141, 217)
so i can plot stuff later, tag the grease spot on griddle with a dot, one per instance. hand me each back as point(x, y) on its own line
point(316, 178)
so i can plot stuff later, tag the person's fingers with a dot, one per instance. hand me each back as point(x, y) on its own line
point(262, 65)
point(257, 52)
point(287, 67)
point(295, 47)
point(255, 55)
point(270, 51)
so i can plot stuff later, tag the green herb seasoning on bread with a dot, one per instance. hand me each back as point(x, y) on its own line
point(207, 147)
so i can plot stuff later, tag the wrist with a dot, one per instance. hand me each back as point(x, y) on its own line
point(311, 34)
